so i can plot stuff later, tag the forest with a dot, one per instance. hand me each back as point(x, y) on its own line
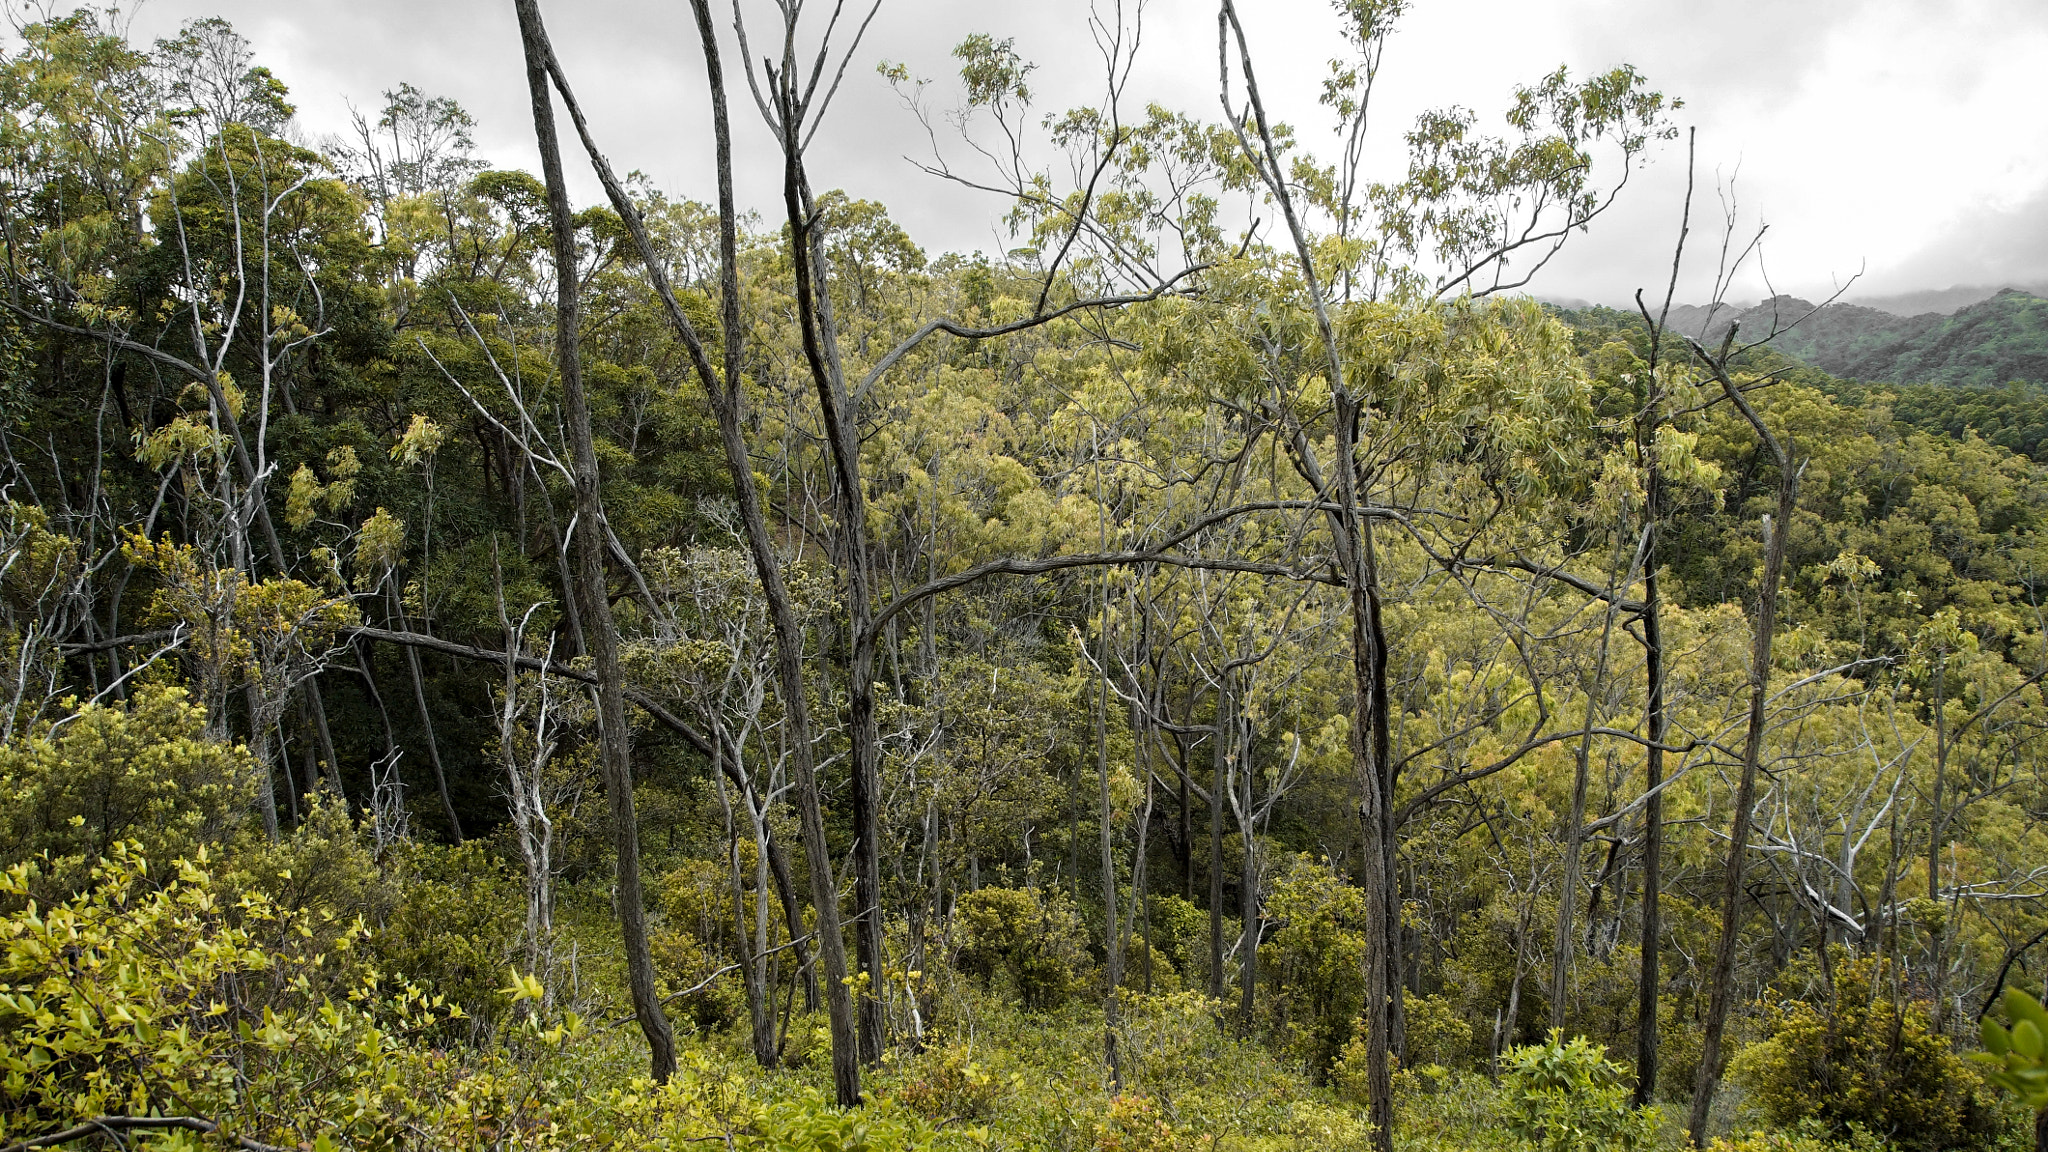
point(1232, 672)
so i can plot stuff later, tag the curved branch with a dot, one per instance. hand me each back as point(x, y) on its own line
point(634, 696)
point(109, 1125)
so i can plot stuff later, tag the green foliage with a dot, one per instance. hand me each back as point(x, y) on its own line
point(1028, 937)
point(1808, 1135)
point(1437, 1033)
point(453, 925)
point(1865, 1057)
point(1566, 1096)
point(106, 774)
point(2018, 1055)
point(1317, 958)
point(109, 1001)
point(947, 1085)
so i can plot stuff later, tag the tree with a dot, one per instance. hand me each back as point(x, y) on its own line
point(600, 635)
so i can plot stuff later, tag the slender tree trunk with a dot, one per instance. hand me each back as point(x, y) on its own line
point(1351, 533)
point(1248, 911)
point(615, 753)
point(1112, 935)
point(1721, 979)
point(821, 351)
point(1649, 981)
point(1184, 845)
point(1504, 1032)
point(1575, 820)
point(261, 744)
point(1226, 734)
point(333, 762)
point(419, 698)
point(1141, 872)
point(727, 398)
point(752, 947)
point(1937, 832)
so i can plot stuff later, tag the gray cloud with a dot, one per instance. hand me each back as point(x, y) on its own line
point(1994, 247)
point(1770, 84)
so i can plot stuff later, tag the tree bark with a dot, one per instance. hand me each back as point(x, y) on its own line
point(419, 699)
point(1649, 980)
point(1225, 737)
point(727, 398)
point(821, 351)
point(1113, 940)
point(1721, 978)
point(615, 753)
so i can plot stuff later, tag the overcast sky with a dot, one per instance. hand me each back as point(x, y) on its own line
point(1901, 138)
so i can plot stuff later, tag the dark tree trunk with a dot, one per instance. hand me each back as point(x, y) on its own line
point(1657, 725)
point(727, 397)
point(615, 752)
point(1218, 789)
point(1721, 978)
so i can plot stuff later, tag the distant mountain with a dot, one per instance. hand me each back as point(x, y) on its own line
point(1992, 342)
point(1942, 300)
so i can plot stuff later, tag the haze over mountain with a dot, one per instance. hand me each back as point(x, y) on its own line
point(1991, 342)
point(1942, 300)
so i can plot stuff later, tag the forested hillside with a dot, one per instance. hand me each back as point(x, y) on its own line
point(1987, 344)
point(489, 671)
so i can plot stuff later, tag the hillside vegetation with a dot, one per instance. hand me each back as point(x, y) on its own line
point(1991, 343)
point(487, 671)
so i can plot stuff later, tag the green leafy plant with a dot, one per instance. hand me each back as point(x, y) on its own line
point(2018, 1056)
point(1867, 1058)
point(1566, 1096)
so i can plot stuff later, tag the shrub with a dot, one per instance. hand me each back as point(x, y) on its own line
point(455, 926)
point(1807, 1136)
point(1566, 1096)
point(1317, 958)
point(144, 772)
point(1037, 945)
point(1134, 1124)
point(947, 1085)
point(1435, 1031)
point(1868, 1060)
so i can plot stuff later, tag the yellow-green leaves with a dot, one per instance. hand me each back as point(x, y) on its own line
point(421, 439)
point(307, 495)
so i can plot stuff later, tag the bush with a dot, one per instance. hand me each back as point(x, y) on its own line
point(1037, 945)
point(106, 774)
point(1435, 1031)
point(947, 1085)
point(1566, 1096)
point(1317, 958)
point(1806, 1136)
point(1134, 1124)
point(455, 926)
point(1871, 1061)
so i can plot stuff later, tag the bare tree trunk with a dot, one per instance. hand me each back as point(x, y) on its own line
point(1351, 533)
point(1656, 721)
point(419, 698)
point(1721, 981)
point(261, 744)
point(814, 304)
point(752, 948)
point(1937, 830)
point(1649, 981)
point(727, 397)
point(1225, 737)
point(1113, 940)
point(615, 752)
point(1248, 909)
point(1575, 819)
